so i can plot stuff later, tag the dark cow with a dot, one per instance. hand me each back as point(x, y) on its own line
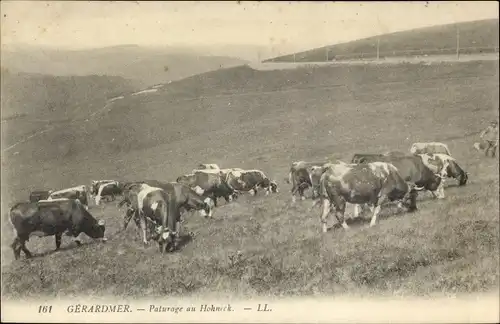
point(52, 217)
point(208, 184)
point(413, 170)
point(37, 195)
point(300, 178)
point(361, 157)
point(107, 189)
point(371, 183)
point(250, 181)
point(80, 193)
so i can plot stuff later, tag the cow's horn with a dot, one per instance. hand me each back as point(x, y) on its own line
point(101, 222)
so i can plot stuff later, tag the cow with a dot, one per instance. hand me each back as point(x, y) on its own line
point(300, 178)
point(371, 183)
point(37, 195)
point(141, 197)
point(79, 192)
point(413, 170)
point(148, 205)
point(208, 184)
point(108, 189)
point(360, 157)
point(250, 181)
point(431, 147)
point(210, 166)
point(52, 217)
point(446, 166)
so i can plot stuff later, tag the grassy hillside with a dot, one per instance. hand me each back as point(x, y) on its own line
point(144, 65)
point(265, 120)
point(33, 101)
point(475, 37)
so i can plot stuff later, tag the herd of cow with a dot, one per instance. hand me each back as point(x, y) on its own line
point(156, 207)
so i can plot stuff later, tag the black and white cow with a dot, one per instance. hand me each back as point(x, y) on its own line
point(107, 189)
point(250, 181)
point(372, 183)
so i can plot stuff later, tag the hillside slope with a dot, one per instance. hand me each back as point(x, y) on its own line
point(475, 37)
point(266, 120)
point(144, 65)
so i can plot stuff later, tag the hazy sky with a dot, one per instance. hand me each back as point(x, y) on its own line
point(285, 26)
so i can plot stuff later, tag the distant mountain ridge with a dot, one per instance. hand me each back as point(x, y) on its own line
point(143, 65)
point(475, 37)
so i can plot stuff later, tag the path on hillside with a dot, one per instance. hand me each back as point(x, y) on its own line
point(387, 60)
point(49, 128)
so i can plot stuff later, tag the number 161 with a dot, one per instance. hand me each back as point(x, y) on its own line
point(44, 309)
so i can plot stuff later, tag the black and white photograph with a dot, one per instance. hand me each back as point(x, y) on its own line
point(250, 161)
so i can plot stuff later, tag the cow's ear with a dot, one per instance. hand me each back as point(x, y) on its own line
point(101, 222)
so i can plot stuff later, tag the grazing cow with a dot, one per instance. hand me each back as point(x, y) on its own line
point(108, 189)
point(37, 195)
point(371, 183)
point(250, 180)
point(413, 170)
point(431, 148)
point(208, 184)
point(79, 192)
point(301, 179)
point(176, 197)
point(446, 166)
point(52, 217)
point(360, 157)
point(147, 204)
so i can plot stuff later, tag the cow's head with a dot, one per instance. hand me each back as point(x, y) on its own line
point(206, 207)
point(455, 171)
point(97, 230)
point(273, 186)
point(165, 238)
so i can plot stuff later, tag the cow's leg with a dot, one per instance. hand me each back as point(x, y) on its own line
point(214, 198)
point(324, 214)
point(355, 213)
point(376, 211)
point(25, 249)
point(142, 226)
point(340, 205)
point(16, 247)
point(58, 240)
point(20, 244)
point(128, 216)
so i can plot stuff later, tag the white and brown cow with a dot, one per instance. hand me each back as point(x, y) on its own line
point(445, 166)
point(250, 181)
point(372, 183)
point(430, 147)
